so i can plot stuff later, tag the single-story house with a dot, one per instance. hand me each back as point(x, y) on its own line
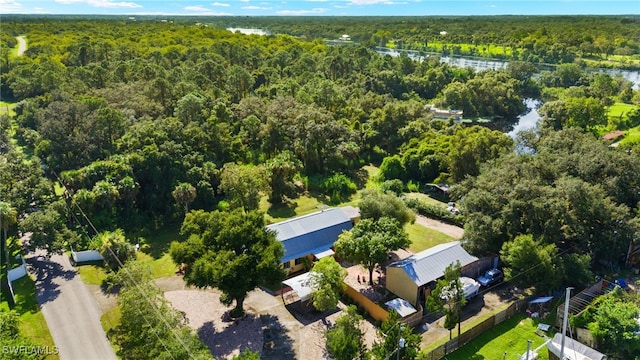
point(412, 278)
point(573, 350)
point(613, 136)
point(312, 236)
point(445, 113)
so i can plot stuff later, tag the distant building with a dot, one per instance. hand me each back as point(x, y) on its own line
point(412, 278)
point(311, 237)
point(613, 136)
point(345, 37)
point(444, 113)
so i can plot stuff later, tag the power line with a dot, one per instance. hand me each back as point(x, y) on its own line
point(128, 274)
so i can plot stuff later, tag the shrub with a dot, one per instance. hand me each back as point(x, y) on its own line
point(338, 187)
point(396, 186)
point(435, 212)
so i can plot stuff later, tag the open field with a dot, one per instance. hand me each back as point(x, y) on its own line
point(632, 137)
point(619, 110)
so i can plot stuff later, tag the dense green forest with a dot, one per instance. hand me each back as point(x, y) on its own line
point(150, 118)
point(137, 124)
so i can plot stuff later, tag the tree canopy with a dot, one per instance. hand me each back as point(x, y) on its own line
point(231, 251)
point(326, 279)
point(370, 241)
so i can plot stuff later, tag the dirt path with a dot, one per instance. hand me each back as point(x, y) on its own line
point(22, 45)
point(451, 230)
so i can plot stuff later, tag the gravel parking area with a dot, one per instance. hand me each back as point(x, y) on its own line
point(274, 330)
point(206, 315)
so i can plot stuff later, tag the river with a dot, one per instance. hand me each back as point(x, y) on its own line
point(480, 64)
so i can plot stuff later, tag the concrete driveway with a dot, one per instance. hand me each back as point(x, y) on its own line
point(71, 312)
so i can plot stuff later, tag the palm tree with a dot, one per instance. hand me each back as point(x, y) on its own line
point(184, 194)
point(8, 217)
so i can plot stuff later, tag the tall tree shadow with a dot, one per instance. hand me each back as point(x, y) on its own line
point(46, 271)
point(240, 334)
point(277, 344)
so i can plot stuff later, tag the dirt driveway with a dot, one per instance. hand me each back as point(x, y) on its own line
point(451, 230)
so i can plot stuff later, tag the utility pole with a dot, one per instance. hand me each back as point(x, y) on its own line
point(565, 320)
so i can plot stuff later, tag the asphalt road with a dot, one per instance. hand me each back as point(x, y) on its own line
point(71, 312)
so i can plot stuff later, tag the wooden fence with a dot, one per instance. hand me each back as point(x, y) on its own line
point(472, 333)
point(372, 308)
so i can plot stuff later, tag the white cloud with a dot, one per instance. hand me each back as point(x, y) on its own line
point(220, 4)
point(253, 7)
point(201, 10)
point(302, 12)
point(375, 2)
point(10, 6)
point(196, 8)
point(101, 3)
point(316, 0)
point(244, 0)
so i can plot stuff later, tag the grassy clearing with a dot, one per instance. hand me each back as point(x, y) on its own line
point(309, 203)
point(423, 238)
point(109, 321)
point(632, 137)
point(619, 110)
point(483, 50)
point(510, 337)
point(161, 267)
point(92, 274)
point(32, 322)
point(426, 199)
point(7, 107)
point(300, 206)
point(156, 245)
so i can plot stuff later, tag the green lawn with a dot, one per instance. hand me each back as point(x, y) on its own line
point(161, 267)
point(92, 274)
point(6, 107)
point(426, 199)
point(109, 321)
point(619, 110)
point(508, 337)
point(632, 137)
point(423, 238)
point(32, 322)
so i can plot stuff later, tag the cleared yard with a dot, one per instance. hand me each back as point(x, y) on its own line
point(423, 238)
point(509, 337)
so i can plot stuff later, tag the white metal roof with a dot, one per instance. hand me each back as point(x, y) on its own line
point(401, 306)
point(301, 285)
point(429, 265)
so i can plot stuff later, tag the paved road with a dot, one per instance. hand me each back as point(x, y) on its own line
point(72, 314)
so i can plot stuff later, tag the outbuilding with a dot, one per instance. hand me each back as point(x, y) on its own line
point(412, 278)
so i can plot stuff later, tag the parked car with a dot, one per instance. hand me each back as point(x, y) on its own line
point(470, 287)
point(491, 277)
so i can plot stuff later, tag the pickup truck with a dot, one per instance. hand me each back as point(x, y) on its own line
point(491, 277)
point(470, 287)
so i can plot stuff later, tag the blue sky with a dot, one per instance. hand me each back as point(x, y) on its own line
point(322, 7)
